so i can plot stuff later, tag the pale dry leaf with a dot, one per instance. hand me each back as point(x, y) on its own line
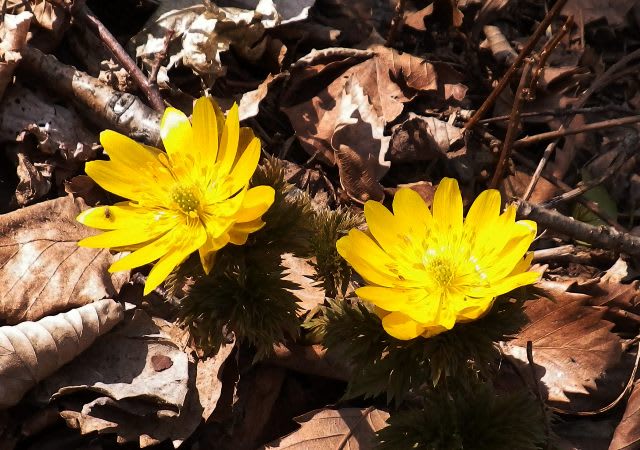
point(423, 139)
point(360, 145)
point(301, 272)
point(34, 182)
point(353, 428)
point(42, 269)
point(573, 347)
point(13, 38)
point(32, 351)
point(148, 390)
point(627, 434)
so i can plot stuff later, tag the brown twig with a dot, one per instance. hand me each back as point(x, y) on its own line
point(600, 236)
point(526, 50)
point(611, 123)
point(396, 23)
point(538, 393)
point(592, 206)
point(87, 17)
point(563, 113)
point(103, 105)
point(617, 164)
point(571, 253)
point(547, 50)
point(514, 124)
point(352, 429)
point(598, 83)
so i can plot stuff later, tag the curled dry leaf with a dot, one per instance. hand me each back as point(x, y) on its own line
point(573, 348)
point(627, 434)
point(32, 351)
point(301, 272)
point(351, 428)
point(147, 389)
point(202, 33)
point(42, 269)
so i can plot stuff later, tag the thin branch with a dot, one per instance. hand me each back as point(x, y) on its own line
point(87, 17)
point(611, 123)
point(514, 124)
point(598, 83)
point(600, 236)
point(526, 50)
point(563, 113)
point(617, 164)
point(547, 50)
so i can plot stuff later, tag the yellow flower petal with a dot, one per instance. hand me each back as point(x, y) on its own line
point(382, 225)
point(401, 326)
point(229, 141)
point(103, 173)
point(125, 217)
point(169, 242)
point(167, 263)
point(256, 202)
point(120, 238)
point(388, 299)
point(208, 250)
point(205, 131)
point(447, 206)
point(177, 135)
point(412, 214)
point(368, 269)
point(126, 152)
point(245, 167)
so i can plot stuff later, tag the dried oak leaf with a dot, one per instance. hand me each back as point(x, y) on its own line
point(423, 139)
point(351, 428)
point(573, 348)
point(135, 400)
point(32, 351)
point(301, 272)
point(42, 269)
point(627, 434)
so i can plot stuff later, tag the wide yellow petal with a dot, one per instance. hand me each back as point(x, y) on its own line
point(502, 263)
point(158, 248)
point(412, 214)
point(401, 326)
point(475, 309)
point(245, 167)
point(177, 135)
point(118, 181)
point(505, 285)
point(123, 150)
point(247, 227)
point(424, 307)
point(125, 217)
point(371, 271)
point(178, 254)
point(121, 239)
point(205, 133)
point(209, 250)
point(479, 225)
point(256, 202)
point(388, 299)
point(447, 206)
point(229, 141)
point(382, 225)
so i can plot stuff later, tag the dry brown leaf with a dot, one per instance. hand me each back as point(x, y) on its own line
point(573, 346)
point(13, 38)
point(301, 272)
point(42, 269)
point(34, 181)
point(627, 434)
point(148, 389)
point(424, 139)
point(352, 428)
point(32, 351)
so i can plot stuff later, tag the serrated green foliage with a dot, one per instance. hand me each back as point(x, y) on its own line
point(384, 364)
point(476, 418)
point(332, 270)
point(246, 293)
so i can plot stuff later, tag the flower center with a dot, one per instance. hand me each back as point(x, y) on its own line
point(186, 198)
point(441, 269)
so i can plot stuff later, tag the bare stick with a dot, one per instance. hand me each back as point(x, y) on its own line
point(601, 236)
point(105, 106)
point(527, 49)
point(587, 185)
point(514, 125)
point(85, 15)
point(547, 50)
point(571, 253)
point(611, 123)
point(598, 83)
point(563, 113)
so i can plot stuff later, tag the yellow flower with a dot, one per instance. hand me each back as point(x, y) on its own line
point(193, 197)
point(427, 270)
